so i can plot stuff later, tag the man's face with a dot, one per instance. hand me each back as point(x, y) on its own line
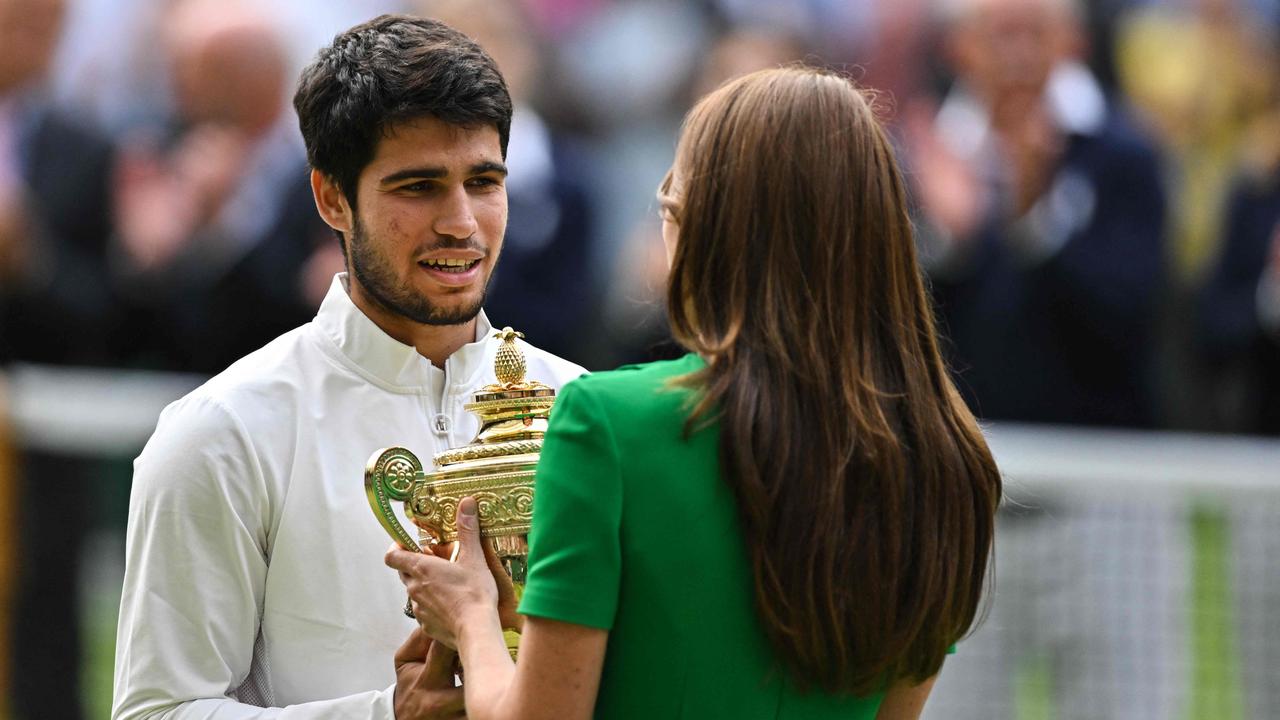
point(429, 221)
point(1006, 48)
point(29, 32)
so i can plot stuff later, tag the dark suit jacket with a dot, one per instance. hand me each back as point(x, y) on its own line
point(1231, 338)
point(66, 312)
point(1068, 339)
point(196, 322)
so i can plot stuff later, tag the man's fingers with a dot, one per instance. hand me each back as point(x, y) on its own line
point(438, 672)
point(414, 649)
point(449, 703)
point(444, 551)
point(433, 704)
point(507, 601)
point(399, 558)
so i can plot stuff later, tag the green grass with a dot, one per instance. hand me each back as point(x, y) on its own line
point(1216, 689)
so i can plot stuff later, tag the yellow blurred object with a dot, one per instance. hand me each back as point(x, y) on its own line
point(1199, 79)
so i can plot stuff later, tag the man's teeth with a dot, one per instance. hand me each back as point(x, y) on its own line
point(450, 264)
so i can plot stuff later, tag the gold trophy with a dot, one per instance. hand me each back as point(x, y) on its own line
point(496, 469)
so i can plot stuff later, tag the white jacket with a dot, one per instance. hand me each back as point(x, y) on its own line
point(254, 575)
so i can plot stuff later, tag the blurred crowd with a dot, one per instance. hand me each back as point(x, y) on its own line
point(1095, 183)
point(1096, 187)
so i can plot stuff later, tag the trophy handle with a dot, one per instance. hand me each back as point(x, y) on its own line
point(390, 475)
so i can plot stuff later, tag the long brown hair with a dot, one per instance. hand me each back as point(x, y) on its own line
point(866, 491)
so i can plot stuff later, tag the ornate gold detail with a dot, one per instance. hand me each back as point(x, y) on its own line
point(390, 475)
point(518, 400)
point(504, 510)
point(497, 469)
point(509, 365)
point(477, 452)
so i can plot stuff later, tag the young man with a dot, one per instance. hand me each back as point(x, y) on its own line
point(254, 574)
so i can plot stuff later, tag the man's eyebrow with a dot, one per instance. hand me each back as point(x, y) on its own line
point(435, 173)
point(484, 167)
point(416, 173)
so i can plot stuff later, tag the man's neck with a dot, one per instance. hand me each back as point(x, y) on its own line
point(433, 342)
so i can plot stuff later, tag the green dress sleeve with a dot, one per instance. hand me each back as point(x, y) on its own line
point(574, 551)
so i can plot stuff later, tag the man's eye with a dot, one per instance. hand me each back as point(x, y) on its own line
point(482, 182)
point(415, 187)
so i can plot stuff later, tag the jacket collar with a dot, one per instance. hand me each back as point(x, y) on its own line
point(389, 362)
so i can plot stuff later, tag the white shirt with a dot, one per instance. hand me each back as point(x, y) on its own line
point(254, 575)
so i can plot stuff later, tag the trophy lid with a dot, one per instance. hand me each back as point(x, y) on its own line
point(497, 467)
point(513, 412)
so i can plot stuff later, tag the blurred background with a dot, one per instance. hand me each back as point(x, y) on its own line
point(1096, 189)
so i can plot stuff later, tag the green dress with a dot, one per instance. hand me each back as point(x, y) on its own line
point(635, 533)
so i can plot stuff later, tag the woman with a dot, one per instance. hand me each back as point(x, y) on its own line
point(794, 520)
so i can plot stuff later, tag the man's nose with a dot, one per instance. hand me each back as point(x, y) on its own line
point(455, 218)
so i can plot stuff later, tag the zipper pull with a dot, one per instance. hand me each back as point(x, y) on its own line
point(440, 424)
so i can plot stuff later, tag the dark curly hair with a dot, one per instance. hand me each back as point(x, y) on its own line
point(390, 70)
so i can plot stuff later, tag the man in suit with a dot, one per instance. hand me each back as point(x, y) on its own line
point(1043, 223)
point(216, 219)
point(1043, 233)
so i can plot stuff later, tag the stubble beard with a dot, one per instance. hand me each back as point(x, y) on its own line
point(375, 275)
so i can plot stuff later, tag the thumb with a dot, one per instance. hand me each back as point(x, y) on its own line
point(468, 522)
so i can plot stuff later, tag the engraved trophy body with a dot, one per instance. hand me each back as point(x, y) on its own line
point(497, 469)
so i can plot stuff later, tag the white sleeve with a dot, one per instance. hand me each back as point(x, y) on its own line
point(195, 571)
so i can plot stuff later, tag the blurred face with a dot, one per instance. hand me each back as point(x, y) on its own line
point(232, 75)
point(1005, 49)
point(29, 31)
point(429, 222)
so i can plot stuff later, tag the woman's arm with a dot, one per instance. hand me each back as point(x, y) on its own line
point(556, 679)
point(456, 603)
point(904, 701)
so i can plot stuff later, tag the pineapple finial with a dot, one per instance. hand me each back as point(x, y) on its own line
point(509, 363)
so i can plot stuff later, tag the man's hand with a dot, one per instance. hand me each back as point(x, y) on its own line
point(951, 194)
point(1033, 147)
point(507, 600)
point(424, 680)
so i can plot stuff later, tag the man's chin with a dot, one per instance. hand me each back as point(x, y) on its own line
point(458, 314)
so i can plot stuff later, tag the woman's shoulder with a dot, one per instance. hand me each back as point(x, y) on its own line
point(635, 387)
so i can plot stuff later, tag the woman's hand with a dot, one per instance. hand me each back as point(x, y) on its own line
point(445, 595)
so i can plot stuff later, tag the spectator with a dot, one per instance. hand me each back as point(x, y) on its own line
point(218, 234)
point(1198, 76)
point(1240, 310)
point(55, 307)
point(1043, 223)
point(54, 214)
point(1043, 233)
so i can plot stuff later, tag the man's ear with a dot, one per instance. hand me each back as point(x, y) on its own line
point(331, 202)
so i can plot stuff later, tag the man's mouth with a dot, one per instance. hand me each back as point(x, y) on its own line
point(449, 265)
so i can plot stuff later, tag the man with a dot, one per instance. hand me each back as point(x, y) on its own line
point(1044, 240)
point(1044, 232)
point(216, 221)
point(1239, 312)
point(254, 575)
